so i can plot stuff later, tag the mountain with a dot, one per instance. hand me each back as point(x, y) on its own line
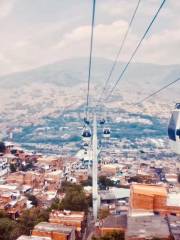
point(27, 97)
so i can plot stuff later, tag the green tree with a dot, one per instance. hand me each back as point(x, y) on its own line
point(87, 182)
point(9, 229)
point(74, 200)
point(136, 179)
point(32, 217)
point(105, 182)
point(33, 199)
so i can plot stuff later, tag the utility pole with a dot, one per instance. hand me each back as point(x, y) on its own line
point(95, 170)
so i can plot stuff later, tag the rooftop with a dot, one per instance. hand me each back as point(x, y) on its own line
point(23, 237)
point(149, 189)
point(175, 226)
point(115, 193)
point(148, 227)
point(115, 221)
point(45, 226)
point(67, 215)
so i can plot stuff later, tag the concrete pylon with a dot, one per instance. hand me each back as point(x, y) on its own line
point(95, 170)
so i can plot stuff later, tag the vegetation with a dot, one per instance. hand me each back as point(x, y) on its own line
point(11, 229)
point(111, 236)
point(33, 199)
point(88, 182)
point(74, 200)
point(32, 217)
point(136, 179)
point(103, 182)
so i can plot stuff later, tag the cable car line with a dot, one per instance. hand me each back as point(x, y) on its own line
point(119, 51)
point(158, 91)
point(136, 49)
point(90, 56)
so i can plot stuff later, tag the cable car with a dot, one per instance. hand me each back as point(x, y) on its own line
point(102, 122)
point(85, 145)
point(86, 121)
point(174, 129)
point(86, 135)
point(106, 132)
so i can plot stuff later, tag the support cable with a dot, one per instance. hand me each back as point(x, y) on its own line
point(135, 51)
point(119, 52)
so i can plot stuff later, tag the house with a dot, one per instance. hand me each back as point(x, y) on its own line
point(69, 218)
point(153, 199)
point(147, 227)
point(54, 231)
point(113, 223)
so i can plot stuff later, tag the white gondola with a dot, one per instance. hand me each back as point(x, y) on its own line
point(85, 145)
point(174, 129)
point(86, 135)
point(102, 121)
point(106, 132)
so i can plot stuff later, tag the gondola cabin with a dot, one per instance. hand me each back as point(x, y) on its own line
point(174, 129)
point(86, 135)
point(106, 133)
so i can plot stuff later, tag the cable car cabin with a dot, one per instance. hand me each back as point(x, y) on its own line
point(86, 121)
point(174, 129)
point(86, 135)
point(86, 145)
point(106, 132)
point(102, 122)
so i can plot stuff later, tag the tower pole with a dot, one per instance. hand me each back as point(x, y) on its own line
point(95, 170)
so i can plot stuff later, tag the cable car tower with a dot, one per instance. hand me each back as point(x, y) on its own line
point(95, 170)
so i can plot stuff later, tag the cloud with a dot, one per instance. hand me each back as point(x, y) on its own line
point(6, 6)
point(162, 48)
point(34, 37)
point(106, 39)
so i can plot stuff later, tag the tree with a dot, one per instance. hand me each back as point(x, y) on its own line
point(105, 182)
point(87, 182)
point(32, 217)
point(2, 147)
point(9, 229)
point(136, 179)
point(74, 200)
point(33, 199)
point(111, 236)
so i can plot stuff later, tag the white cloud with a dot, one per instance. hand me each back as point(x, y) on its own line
point(107, 38)
point(31, 39)
point(6, 6)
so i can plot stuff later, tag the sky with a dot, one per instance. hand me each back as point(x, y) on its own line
point(38, 32)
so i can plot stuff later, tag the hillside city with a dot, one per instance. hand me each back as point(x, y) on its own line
point(48, 194)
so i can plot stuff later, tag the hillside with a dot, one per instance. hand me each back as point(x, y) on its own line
point(27, 97)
